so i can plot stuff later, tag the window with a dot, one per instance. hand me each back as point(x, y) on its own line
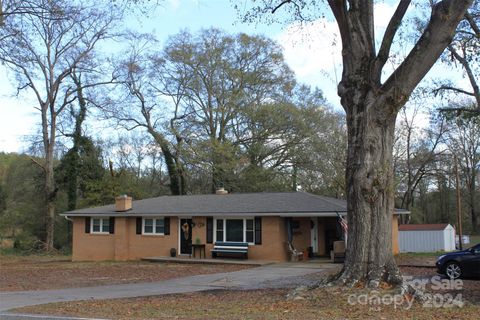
point(476, 249)
point(154, 226)
point(219, 230)
point(235, 230)
point(250, 231)
point(100, 225)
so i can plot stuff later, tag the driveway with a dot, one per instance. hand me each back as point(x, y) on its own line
point(270, 276)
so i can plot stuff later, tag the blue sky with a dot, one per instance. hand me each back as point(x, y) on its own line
point(309, 52)
point(18, 118)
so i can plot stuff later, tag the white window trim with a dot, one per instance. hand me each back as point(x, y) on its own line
point(225, 228)
point(101, 225)
point(154, 226)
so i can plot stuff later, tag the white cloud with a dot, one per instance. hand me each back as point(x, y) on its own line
point(18, 118)
point(313, 50)
point(382, 15)
point(174, 4)
point(16, 122)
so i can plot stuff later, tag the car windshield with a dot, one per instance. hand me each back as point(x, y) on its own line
point(476, 248)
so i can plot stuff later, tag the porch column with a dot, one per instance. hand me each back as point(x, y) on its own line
point(321, 237)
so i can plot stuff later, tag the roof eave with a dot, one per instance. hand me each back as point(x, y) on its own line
point(202, 214)
point(215, 214)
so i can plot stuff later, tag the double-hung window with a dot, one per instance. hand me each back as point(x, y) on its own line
point(220, 228)
point(154, 226)
point(249, 231)
point(235, 230)
point(100, 225)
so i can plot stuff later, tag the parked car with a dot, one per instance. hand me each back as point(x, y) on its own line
point(458, 264)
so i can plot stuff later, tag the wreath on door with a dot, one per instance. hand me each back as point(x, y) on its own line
point(186, 229)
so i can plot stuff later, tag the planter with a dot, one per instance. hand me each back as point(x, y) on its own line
point(173, 252)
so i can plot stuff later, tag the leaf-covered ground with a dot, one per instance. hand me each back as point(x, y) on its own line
point(325, 303)
point(321, 303)
point(42, 273)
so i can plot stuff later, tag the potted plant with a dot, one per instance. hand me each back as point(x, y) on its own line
point(173, 252)
point(197, 240)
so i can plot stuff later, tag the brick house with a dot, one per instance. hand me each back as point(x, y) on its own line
point(130, 230)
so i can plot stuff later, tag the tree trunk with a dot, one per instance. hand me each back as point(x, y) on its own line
point(370, 193)
point(74, 161)
point(175, 172)
point(218, 175)
point(50, 194)
point(371, 106)
point(473, 204)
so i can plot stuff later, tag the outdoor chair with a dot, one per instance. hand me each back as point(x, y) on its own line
point(295, 255)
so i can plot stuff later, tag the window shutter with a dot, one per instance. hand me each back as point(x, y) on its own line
point(209, 230)
point(166, 224)
point(87, 224)
point(112, 225)
point(258, 230)
point(139, 225)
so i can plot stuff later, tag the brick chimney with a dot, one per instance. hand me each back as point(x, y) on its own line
point(123, 203)
point(221, 191)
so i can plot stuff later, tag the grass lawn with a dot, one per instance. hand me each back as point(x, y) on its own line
point(55, 272)
point(417, 258)
point(474, 240)
point(427, 258)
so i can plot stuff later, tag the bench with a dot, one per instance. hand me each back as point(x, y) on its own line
point(230, 248)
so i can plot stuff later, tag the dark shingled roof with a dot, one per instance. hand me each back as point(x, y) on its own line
point(261, 204)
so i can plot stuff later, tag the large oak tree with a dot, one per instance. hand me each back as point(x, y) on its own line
point(44, 52)
point(371, 104)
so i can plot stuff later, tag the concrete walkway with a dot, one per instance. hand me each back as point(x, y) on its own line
point(270, 276)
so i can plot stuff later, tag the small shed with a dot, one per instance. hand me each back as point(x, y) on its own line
point(426, 237)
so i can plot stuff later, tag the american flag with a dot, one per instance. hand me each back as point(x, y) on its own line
point(343, 224)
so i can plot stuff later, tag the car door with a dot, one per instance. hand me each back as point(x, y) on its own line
point(471, 262)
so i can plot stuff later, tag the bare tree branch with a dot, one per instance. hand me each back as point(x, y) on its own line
point(38, 164)
point(473, 24)
point(450, 88)
point(388, 37)
point(436, 36)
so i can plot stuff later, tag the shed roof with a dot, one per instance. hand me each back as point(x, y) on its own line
point(423, 227)
point(261, 204)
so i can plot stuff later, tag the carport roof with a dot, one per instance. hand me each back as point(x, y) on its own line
point(289, 204)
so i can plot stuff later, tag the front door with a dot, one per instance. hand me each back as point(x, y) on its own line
point(185, 236)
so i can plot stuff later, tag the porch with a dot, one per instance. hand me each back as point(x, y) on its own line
point(188, 260)
point(314, 236)
point(310, 263)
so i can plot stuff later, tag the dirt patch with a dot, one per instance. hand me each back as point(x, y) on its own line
point(42, 273)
